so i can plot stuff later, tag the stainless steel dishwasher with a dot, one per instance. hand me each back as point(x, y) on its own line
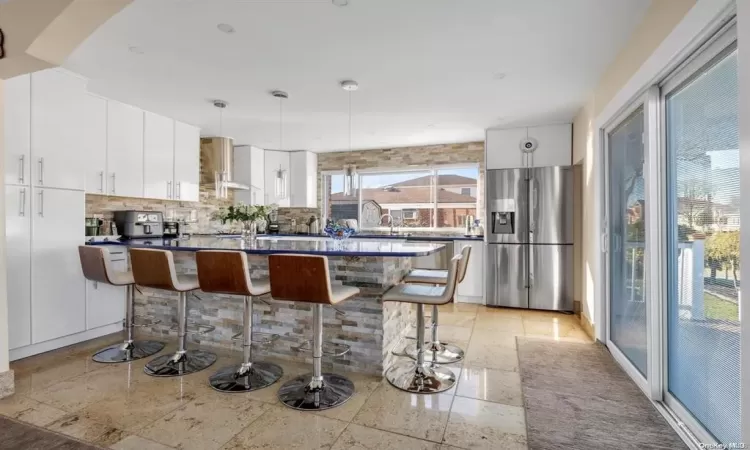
point(438, 260)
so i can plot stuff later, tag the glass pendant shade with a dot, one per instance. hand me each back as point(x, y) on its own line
point(280, 185)
point(349, 174)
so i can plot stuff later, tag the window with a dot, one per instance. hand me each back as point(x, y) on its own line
point(429, 198)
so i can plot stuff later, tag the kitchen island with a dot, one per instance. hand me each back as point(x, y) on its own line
point(370, 328)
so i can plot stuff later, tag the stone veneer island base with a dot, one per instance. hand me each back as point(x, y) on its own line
point(364, 323)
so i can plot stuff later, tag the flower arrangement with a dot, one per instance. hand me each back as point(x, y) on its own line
point(243, 213)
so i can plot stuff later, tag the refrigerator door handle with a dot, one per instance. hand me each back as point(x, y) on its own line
point(530, 259)
point(534, 204)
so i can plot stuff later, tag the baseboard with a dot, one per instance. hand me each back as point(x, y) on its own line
point(470, 299)
point(54, 344)
point(7, 384)
point(587, 326)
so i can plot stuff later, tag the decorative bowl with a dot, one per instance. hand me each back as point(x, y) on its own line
point(339, 232)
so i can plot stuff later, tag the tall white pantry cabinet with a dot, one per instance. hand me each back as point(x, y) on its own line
point(44, 210)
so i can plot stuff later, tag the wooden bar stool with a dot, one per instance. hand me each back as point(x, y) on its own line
point(305, 279)
point(96, 265)
point(155, 269)
point(227, 272)
point(418, 376)
point(439, 352)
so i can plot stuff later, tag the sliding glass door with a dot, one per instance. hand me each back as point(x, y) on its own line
point(672, 224)
point(626, 205)
point(703, 253)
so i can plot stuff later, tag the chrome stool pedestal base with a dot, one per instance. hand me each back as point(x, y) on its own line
point(437, 353)
point(305, 394)
point(176, 365)
point(425, 378)
point(258, 375)
point(127, 351)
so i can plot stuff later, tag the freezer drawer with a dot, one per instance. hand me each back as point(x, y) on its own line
point(506, 278)
point(551, 277)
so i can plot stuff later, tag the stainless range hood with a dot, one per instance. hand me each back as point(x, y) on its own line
point(217, 155)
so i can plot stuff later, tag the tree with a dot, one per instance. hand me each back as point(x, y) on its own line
point(724, 249)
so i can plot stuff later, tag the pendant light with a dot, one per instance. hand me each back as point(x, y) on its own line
point(350, 170)
point(222, 191)
point(280, 181)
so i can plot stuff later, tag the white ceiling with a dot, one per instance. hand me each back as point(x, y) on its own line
point(427, 69)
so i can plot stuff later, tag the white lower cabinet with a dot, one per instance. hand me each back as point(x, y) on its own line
point(58, 302)
point(471, 290)
point(105, 304)
point(18, 254)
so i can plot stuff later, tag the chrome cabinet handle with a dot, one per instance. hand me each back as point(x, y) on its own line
point(113, 182)
point(22, 201)
point(41, 203)
point(21, 164)
point(41, 171)
point(101, 181)
point(179, 189)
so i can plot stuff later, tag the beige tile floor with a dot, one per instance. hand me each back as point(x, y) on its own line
point(119, 407)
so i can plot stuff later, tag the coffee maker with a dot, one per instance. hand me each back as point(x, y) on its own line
point(140, 224)
point(273, 223)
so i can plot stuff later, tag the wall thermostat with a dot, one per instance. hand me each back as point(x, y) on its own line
point(528, 144)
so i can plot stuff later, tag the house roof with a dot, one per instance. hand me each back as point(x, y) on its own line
point(443, 180)
point(418, 194)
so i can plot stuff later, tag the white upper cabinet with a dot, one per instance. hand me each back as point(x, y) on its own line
point(17, 130)
point(95, 143)
point(303, 175)
point(158, 156)
point(124, 150)
point(57, 99)
point(187, 149)
point(275, 160)
point(554, 147)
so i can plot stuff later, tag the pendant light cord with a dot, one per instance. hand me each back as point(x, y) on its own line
point(350, 121)
point(281, 123)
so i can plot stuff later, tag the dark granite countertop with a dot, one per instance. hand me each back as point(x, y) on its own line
point(304, 245)
point(434, 238)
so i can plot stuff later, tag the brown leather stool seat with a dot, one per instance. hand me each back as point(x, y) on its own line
point(227, 272)
point(305, 279)
point(97, 267)
point(155, 269)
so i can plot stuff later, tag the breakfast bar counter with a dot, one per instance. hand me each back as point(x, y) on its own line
point(370, 328)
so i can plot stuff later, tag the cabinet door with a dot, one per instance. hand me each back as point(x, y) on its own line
point(18, 255)
point(555, 145)
point(242, 161)
point(105, 304)
point(58, 298)
point(273, 161)
point(257, 167)
point(472, 288)
point(158, 156)
point(57, 99)
point(95, 143)
point(17, 129)
point(297, 179)
point(187, 149)
point(502, 148)
point(124, 150)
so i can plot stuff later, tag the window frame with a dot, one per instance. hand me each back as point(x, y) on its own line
point(433, 169)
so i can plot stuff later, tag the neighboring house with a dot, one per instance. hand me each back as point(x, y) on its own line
point(410, 202)
point(706, 215)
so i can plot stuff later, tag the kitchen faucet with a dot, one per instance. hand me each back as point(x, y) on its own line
point(391, 221)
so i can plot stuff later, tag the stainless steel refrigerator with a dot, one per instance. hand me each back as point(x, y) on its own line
point(530, 238)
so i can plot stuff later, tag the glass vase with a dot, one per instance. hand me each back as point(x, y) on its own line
point(249, 231)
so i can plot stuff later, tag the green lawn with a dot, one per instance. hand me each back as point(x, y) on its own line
point(719, 309)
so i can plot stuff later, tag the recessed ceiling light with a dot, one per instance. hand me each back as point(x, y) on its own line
point(340, 2)
point(499, 76)
point(225, 28)
point(136, 50)
point(349, 85)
